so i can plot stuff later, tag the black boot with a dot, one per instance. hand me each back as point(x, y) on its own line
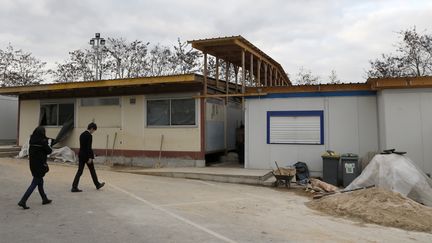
point(100, 185)
point(46, 201)
point(23, 205)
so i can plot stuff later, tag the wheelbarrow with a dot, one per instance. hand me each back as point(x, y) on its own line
point(281, 177)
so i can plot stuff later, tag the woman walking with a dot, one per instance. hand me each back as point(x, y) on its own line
point(38, 152)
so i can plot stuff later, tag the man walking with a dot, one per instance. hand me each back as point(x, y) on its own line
point(86, 156)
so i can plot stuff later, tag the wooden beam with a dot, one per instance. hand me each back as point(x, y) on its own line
point(271, 76)
point(236, 70)
point(243, 71)
point(278, 78)
point(259, 72)
point(265, 74)
point(205, 74)
point(227, 78)
point(250, 50)
point(251, 74)
point(217, 72)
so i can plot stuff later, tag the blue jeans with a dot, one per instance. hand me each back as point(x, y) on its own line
point(37, 181)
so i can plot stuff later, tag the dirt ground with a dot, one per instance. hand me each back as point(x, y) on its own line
point(379, 206)
point(137, 208)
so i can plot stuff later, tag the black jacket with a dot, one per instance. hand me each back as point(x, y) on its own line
point(86, 151)
point(38, 152)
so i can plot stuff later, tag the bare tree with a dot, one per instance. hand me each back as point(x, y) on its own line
point(127, 60)
point(121, 59)
point(413, 57)
point(20, 68)
point(333, 78)
point(160, 61)
point(185, 58)
point(305, 77)
point(77, 68)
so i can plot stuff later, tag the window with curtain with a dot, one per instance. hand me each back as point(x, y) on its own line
point(56, 114)
point(171, 112)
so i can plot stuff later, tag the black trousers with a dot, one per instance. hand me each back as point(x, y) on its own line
point(82, 163)
point(36, 182)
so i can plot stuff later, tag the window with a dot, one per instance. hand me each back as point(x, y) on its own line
point(171, 112)
point(56, 114)
point(100, 101)
point(295, 127)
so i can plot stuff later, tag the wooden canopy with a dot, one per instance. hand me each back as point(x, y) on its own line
point(257, 68)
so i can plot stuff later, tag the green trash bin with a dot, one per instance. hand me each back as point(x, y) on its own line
point(330, 167)
point(350, 168)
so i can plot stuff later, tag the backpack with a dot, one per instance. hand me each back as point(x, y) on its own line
point(302, 172)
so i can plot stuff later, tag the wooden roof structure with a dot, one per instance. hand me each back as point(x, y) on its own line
point(128, 86)
point(257, 68)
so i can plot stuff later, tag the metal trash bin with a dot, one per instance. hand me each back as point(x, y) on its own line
point(330, 167)
point(350, 168)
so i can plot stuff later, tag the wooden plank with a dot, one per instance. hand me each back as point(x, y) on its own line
point(217, 72)
point(250, 50)
point(236, 70)
point(227, 77)
point(259, 73)
point(271, 76)
point(243, 71)
point(205, 74)
point(251, 73)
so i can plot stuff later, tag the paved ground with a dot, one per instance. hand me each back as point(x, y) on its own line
point(138, 208)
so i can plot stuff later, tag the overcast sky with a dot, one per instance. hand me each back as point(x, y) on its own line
point(317, 35)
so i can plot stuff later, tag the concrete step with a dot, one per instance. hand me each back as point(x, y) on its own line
point(269, 182)
point(229, 175)
point(7, 154)
point(9, 151)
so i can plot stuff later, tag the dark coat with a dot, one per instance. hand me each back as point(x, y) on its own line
point(86, 151)
point(38, 152)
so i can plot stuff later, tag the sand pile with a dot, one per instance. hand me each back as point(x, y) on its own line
point(377, 206)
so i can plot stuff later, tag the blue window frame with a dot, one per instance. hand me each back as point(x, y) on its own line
point(295, 127)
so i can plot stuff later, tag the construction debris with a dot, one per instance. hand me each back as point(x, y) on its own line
point(378, 206)
point(396, 173)
point(63, 154)
point(315, 183)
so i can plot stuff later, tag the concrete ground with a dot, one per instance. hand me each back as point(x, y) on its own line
point(139, 208)
point(220, 174)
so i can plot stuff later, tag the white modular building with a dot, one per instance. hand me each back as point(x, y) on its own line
point(289, 124)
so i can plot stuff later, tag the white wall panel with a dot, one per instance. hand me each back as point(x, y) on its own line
point(343, 124)
point(350, 125)
point(407, 123)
